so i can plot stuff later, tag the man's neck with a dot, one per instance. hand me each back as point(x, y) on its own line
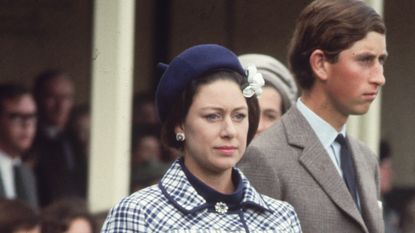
point(322, 106)
point(8, 152)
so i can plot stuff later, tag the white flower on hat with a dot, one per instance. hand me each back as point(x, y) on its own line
point(255, 80)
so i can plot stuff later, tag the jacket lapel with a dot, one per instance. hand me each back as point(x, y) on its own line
point(367, 190)
point(317, 162)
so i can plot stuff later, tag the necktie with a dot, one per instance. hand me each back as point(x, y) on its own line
point(347, 166)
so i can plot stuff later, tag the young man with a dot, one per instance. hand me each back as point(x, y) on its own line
point(17, 129)
point(336, 54)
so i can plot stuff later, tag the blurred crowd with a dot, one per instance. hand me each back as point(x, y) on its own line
point(44, 138)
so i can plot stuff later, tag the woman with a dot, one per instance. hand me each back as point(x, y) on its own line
point(279, 92)
point(206, 115)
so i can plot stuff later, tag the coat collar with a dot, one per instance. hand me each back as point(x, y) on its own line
point(316, 161)
point(178, 190)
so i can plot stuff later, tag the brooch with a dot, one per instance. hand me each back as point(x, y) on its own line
point(221, 208)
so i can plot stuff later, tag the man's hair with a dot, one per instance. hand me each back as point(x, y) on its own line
point(17, 215)
point(331, 26)
point(384, 151)
point(44, 78)
point(11, 91)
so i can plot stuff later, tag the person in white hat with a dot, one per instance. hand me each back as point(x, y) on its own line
point(280, 90)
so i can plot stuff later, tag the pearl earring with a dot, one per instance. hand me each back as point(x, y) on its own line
point(180, 137)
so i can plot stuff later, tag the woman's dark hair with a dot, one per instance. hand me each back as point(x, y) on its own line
point(182, 105)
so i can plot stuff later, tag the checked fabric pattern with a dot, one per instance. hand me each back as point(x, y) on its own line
point(174, 206)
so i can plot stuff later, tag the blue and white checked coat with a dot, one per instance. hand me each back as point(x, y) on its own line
point(174, 206)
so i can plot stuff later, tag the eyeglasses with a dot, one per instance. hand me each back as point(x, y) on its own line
point(19, 118)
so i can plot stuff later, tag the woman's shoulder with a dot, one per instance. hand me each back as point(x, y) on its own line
point(278, 205)
point(143, 198)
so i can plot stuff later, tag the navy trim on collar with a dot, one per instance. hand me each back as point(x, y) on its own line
point(211, 195)
point(176, 187)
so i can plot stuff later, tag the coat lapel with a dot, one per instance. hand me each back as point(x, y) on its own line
point(317, 162)
point(367, 190)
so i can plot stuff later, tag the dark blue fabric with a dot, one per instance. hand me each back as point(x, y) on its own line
point(188, 65)
point(212, 196)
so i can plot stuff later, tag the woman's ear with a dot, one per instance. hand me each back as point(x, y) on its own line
point(179, 129)
point(318, 64)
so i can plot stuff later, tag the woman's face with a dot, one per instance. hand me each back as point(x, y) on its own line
point(216, 129)
point(270, 103)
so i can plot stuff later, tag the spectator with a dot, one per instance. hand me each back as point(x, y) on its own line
point(78, 128)
point(17, 216)
point(17, 130)
point(144, 111)
point(408, 216)
point(279, 92)
point(78, 131)
point(147, 165)
point(390, 215)
point(67, 216)
point(57, 166)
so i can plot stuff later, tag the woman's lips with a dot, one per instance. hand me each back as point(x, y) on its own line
point(227, 150)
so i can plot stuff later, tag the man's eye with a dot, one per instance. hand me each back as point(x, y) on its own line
point(382, 60)
point(272, 117)
point(366, 59)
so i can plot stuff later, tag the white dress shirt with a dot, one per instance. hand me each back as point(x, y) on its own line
point(7, 174)
point(325, 133)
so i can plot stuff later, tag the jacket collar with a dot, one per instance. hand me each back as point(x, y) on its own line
point(316, 161)
point(178, 190)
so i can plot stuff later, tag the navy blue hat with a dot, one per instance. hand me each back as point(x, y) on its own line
point(188, 65)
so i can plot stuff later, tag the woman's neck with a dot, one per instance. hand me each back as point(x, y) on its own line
point(221, 182)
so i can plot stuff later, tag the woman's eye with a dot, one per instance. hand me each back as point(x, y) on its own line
point(212, 117)
point(239, 116)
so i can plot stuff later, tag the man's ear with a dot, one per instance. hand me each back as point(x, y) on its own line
point(318, 64)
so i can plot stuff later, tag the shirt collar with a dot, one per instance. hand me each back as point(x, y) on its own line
point(177, 188)
point(324, 131)
point(5, 158)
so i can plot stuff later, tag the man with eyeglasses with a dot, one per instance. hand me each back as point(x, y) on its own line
point(17, 129)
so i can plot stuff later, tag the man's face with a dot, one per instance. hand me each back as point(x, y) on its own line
point(17, 124)
point(354, 81)
point(58, 101)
